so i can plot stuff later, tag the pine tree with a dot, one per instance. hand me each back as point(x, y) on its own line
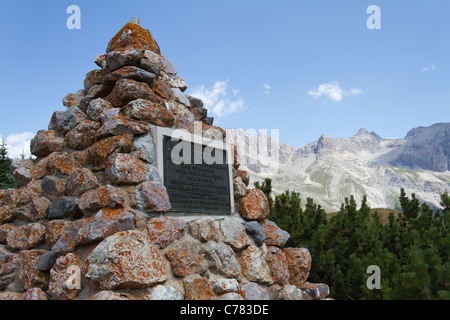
point(6, 177)
point(445, 202)
point(412, 250)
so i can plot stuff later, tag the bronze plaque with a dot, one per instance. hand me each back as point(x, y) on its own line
point(195, 186)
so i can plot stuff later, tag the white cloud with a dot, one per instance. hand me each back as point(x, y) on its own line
point(333, 91)
point(221, 100)
point(267, 88)
point(432, 68)
point(18, 143)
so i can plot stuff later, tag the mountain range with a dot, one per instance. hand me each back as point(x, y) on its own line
point(331, 169)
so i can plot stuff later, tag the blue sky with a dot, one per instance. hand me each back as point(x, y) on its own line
point(304, 67)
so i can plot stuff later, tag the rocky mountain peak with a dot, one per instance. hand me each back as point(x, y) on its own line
point(362, 132)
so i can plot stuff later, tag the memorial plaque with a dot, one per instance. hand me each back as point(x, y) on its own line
point(197, 184)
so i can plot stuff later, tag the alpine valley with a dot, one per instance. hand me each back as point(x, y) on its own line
point(331, 169)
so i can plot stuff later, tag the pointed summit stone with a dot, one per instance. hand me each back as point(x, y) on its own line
point(135, 20)
point(132, 35)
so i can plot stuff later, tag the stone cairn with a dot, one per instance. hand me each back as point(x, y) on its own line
point(88, 219)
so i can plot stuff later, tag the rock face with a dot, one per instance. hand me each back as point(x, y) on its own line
point(329, 169)
point(426, 148)
point(91, 219)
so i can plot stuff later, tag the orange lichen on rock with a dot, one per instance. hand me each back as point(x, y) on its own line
point(125, 169)
point(198, 289)
point(299, 262)
point(254, 206)
point(134, 36)
point(162, 231)
point(100, 198)
point(99, 152)
point(278, 265)
point(125, 260)
point(155, 197)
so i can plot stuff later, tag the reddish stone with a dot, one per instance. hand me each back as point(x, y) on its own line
point(199, 113)
point(100, 198)
point(83, 135)
point(26, 237)
point(134, 36)
point(23, 213)
point(46, 142)
point(124, 168)
point(73, 99)
point(34, 211)
point(61, 162)
point(65, 269)
point(100, 61)
point(97, 91)
point(162, 90)
point(244, 176)
point(34, 294)
point(235, 156)
point(53, 187)
point(81, 181)
point(254, 206)
point(316, 290)
point(299, 262)
point(3, 196)
point(7, 214)
point(198, 289)
point(28, 273)
point(274, 235)
point(187, 257)
point(154, 197)
point(163, 231)
point(125, 260)
point(149, 111)
point(7, 295)
point(4, 229)
point(129, 72)
point(54, 229)
point(8, 266)
point(99, 152)
point(67, 240)
point(277, 262)
point(203, 229)
point(127, 90)
point(27, 194)
point(121, 126)
point(104, 224)
point(93, 78)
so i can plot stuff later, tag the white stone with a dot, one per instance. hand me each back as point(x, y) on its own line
point(225, 286)
point(162, 292)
